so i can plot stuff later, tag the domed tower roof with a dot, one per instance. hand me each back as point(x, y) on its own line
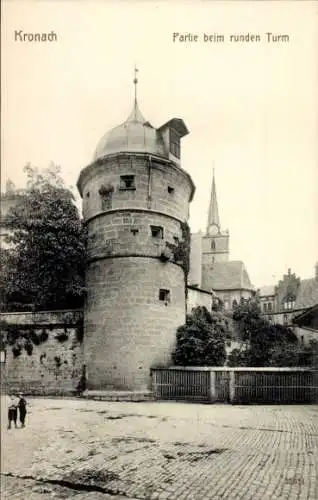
point(134, 135)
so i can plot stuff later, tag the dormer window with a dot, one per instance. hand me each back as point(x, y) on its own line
point(174, 143)
point(127, 182)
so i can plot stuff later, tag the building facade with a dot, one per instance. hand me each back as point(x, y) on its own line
point(289, 299)
point(135, 204)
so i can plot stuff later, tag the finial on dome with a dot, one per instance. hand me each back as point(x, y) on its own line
point(135, 115)
point(135, 83)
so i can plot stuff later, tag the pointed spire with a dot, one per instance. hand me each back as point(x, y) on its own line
point(135, 115)
point(213, 216)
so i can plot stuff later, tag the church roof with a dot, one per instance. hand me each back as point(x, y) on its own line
point(307, 293)
point(230, 275)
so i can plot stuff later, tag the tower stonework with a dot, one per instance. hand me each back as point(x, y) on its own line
point(135, 201)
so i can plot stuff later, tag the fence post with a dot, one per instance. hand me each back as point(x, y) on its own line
point(232, 386)
point(154, 382)
point(212, 386)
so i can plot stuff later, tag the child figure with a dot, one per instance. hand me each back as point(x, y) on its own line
point(22, 409)
point(13, 402)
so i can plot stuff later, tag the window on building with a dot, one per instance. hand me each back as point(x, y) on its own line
point(234, 303)
point(213, 244)
point(265, 306)
point(134, 231)
point(2, 356)
point(87, 194)
point(289, 303)
point(127, 182)
point(302, 339)
point(285, 319)
point(157, 232)
point(174, 143)
point(270, 318)
point(164, 295)
point(107, 199)
point(269, 306)
point(170, 189)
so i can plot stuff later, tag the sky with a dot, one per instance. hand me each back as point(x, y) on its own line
point(250, 107)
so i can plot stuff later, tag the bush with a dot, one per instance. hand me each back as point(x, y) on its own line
point(201, 340)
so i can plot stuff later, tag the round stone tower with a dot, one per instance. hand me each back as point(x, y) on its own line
point(135, 205)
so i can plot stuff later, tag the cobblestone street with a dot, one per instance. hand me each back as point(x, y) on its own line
point(103, 450)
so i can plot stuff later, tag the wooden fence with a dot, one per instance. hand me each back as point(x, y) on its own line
point(236, 385)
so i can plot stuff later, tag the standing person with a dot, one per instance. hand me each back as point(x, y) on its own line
point(13, 402)
point(22, 409)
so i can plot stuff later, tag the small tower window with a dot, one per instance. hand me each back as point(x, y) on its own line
point(174, 143)
point(87, 194)
point(127, 182)
point(213, 244)
point(170, 189)
point(106, 201)
point(164, 295)
point(157, 232)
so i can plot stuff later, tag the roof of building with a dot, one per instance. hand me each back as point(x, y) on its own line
point(267, 290)
point(133, 135)
point(230, 275)
point(307, 294)
point(304, 314)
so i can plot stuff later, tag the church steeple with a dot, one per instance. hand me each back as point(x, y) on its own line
point(213, 225)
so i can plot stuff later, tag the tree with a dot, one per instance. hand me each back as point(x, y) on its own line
point(201, 340)
point(295, 354)
point(46, 261)
point(265, 340)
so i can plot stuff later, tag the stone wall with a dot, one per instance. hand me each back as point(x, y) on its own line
point(53, 363)
point(128, 328)
point(305, 335)
point(195, 274)
point(197, 297)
